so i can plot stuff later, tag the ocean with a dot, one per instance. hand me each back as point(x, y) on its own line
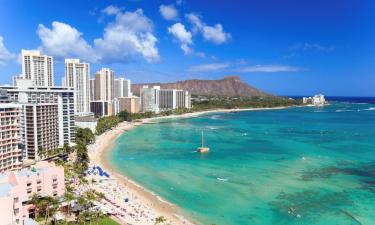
point(303, 165)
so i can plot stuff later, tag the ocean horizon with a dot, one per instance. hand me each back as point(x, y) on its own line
point(301, 165)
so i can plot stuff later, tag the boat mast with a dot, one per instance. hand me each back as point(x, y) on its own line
point(202, 139)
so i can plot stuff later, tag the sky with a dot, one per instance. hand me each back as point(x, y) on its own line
point(289, 47)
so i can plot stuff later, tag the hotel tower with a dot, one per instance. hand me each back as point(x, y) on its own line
point(77, 76)
point(37, 68)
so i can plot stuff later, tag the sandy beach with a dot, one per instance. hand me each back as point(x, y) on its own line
point(132, 203)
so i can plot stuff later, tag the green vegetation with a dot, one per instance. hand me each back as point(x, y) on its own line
point(203, 103)
point(100, 221)
point(160, 220)
point(85, 135)
point(106, 123)
point(44, 153)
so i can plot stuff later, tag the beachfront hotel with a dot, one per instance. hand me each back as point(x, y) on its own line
point(10, 153)
point(101, 108)
point(104, 85)
point(129, 104)
point(17, 188)
point(47, 117)
point(77, 76)
point(37, 68)
point(174, 99)
point(122, 88)
point(150, 98)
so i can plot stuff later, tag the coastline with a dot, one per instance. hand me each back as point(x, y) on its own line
point(145, 199)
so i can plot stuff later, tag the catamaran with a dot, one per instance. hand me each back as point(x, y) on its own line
point(203, 149)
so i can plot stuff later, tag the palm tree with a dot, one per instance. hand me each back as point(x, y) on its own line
point(160, 219)
point(36, 201)
point(68, 196)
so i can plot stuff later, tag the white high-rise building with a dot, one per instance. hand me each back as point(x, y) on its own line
point(37, 68)
point(173, 99)
point(150, 99)
point(47, 118)
point(77, 75)
point(104, 82)
point(122, 88)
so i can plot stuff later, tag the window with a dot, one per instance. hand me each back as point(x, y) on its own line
point(39, 188)
point(15, 200)
point(28, 183)
point(16, 211)
point(29, 190)
point(39, 181)
point(17, 221)
point(55, 193)
point(54, 186)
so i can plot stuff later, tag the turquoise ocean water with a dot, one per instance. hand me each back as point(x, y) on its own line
point(294, 166)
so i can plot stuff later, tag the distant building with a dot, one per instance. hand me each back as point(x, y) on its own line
point(317, 100)
point(150, 99)
point(104, 82)
point(122, 88)
point(87, 121)
point(37, 68)
point(101, 108)
point(47, 117)
point(17, 188)
point(77, 76)
point(10, 154)
point(173, 99)
point(129, 104)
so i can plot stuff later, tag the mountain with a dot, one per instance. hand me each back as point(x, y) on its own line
point(228, 86)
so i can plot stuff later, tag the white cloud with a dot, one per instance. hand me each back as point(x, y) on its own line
point(195, 20)
point(168, 12)
point(129, 36)
point(302, 48)
point(111, 10)
point(5, 55)
point(268, 69)
point(62, 41)
point(209, 67)
point(316, 47)
point(183, 36)
point(214, 34)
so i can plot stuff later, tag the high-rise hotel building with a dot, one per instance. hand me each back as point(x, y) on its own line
point(122, 88)
point(150, 98)
point(174, 99)
point(37, 67)
point(104, 85)
point(47, 117)
point(77, 76)
point(10, 153)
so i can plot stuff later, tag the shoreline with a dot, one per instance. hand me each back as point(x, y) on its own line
point(145, 199)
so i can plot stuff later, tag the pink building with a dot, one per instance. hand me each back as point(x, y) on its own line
point(16, 189)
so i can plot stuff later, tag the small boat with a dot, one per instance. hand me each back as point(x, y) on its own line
point(203, 149)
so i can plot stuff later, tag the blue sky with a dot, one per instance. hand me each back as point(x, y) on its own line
point(290, 47)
